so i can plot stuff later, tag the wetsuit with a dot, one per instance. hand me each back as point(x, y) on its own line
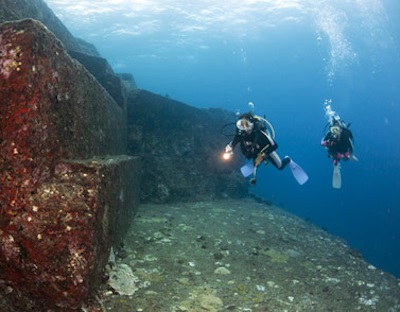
point(339, 145)
point(259, 143)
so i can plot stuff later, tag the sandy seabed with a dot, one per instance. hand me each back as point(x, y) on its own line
point(243, 255)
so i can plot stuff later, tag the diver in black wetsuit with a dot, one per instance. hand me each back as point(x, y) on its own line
point(255, 143)
point(339, 142)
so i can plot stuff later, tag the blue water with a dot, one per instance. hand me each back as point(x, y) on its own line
point(286, 60)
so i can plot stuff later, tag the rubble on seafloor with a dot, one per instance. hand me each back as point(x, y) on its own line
point(242, 255)
point(121, 278)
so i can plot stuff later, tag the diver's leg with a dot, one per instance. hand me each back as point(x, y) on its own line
point(277, 162)
point(253, 180)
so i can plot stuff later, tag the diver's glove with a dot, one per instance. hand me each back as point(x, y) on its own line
point(229, 149)
point(228, 152)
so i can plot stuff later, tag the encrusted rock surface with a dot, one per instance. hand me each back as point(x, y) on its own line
point(61, 238)
point(49, 96)
point(103, 72)
point(79, 49)
point(66, 191)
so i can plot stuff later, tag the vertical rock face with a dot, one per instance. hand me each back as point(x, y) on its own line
point(83, 51)
point(104, 74)
point(63, 199)
point(181, 148)
point(47, 92)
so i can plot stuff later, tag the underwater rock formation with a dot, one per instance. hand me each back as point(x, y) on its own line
point(181, 147)
point(188, 168)
point(82, 51)
point(67, 189)
point(67, 192)
point(104, 74)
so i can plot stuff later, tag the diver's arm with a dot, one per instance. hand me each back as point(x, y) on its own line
point(231, 145)
point(326, 141)
point(236, 140)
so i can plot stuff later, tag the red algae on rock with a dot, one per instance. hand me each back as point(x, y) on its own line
point(59, 211)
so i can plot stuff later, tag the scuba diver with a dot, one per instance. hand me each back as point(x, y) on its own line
point(256, 137)
point(338, 142)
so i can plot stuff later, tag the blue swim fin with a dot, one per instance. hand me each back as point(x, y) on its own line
point(299, 174)
point(336, 178)
point(247, 169)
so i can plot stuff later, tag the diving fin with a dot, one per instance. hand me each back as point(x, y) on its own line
point(299, 174)
point(247, 169)
point(337, 178)
point(353, 158)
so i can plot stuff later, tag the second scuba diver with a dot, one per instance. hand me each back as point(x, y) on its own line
point(338, 141)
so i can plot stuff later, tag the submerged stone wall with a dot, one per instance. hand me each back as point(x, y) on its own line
point(67, 193)
point(181, 149)
point(82, 51)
